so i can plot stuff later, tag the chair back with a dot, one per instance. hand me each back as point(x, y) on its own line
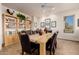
point(25, 43)
point(51, 43)
point(56, 34)
point(48, 43)
point(53, 40)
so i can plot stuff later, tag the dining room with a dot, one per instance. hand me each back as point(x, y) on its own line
point(39, 29)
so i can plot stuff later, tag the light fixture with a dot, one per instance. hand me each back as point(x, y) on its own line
point(47, 9)
point(53, 8)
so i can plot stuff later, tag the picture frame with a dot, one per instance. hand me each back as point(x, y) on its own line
point(10, 22)
point(53, 24)
point(21, 26)
point(42, 24)
point(69, 24)
point(78, 22)
point(47, 21)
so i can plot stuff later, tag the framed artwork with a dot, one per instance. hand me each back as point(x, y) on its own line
point(10, 22)
point(42, 24)
point(21, 26)
point(69, 24)
point(53, 24)
point(47, 21)
point(78, 22)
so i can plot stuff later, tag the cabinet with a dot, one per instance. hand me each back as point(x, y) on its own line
point(9, 29)
point(12, 25)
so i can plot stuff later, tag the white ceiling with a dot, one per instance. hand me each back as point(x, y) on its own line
point(35, 9)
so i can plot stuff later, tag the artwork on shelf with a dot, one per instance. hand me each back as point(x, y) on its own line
point(10, 32)
point(42, 24)
point(21, 26)
point(78, 22)
point(10, 11)
point(10, 19)
point(11, 25)
point(53, 24)
point(28, 24)
point(69, 24)
point(10, 22)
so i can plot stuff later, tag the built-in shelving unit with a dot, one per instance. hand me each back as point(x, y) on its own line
point(9, 29)
point(12, 25)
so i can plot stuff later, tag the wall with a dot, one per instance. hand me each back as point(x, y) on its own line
point(70, 36)
point(38, 21)
point(53, 17)
point(35, 23)
point(59, 18)
point(1, 38)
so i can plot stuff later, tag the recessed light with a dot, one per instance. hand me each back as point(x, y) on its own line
point(53, 8)
point(44, 11)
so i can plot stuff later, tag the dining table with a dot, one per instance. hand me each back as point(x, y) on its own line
point(42, 40)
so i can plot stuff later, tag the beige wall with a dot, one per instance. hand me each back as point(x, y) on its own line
point(35, 23)
point(59, 18)
point(71, 36)
point(1, 38)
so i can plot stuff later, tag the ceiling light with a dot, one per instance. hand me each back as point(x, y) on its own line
point(53, 8)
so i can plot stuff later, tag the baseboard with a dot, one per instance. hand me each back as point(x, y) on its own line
point(68, 39)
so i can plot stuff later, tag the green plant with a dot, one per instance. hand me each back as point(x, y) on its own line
point(21, 16)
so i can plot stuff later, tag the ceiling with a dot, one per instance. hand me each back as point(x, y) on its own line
point(36, 9)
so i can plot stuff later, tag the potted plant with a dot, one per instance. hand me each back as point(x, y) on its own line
point(21, 17)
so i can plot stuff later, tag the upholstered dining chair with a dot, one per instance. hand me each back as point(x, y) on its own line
point(56, 38)
point(27, 46)
point(50, 45)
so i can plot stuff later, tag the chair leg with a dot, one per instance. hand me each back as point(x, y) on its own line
point(38, 51)
point(53, 51)
point(50, 52)
point(56, 45)
point(22, 52)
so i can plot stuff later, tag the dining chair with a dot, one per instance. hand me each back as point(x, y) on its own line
point(27, 46)
point(50, 31)
point(56, 39)
point(40, 32)
point(50, 45)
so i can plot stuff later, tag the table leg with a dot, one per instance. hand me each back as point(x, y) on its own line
point(42, 49)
